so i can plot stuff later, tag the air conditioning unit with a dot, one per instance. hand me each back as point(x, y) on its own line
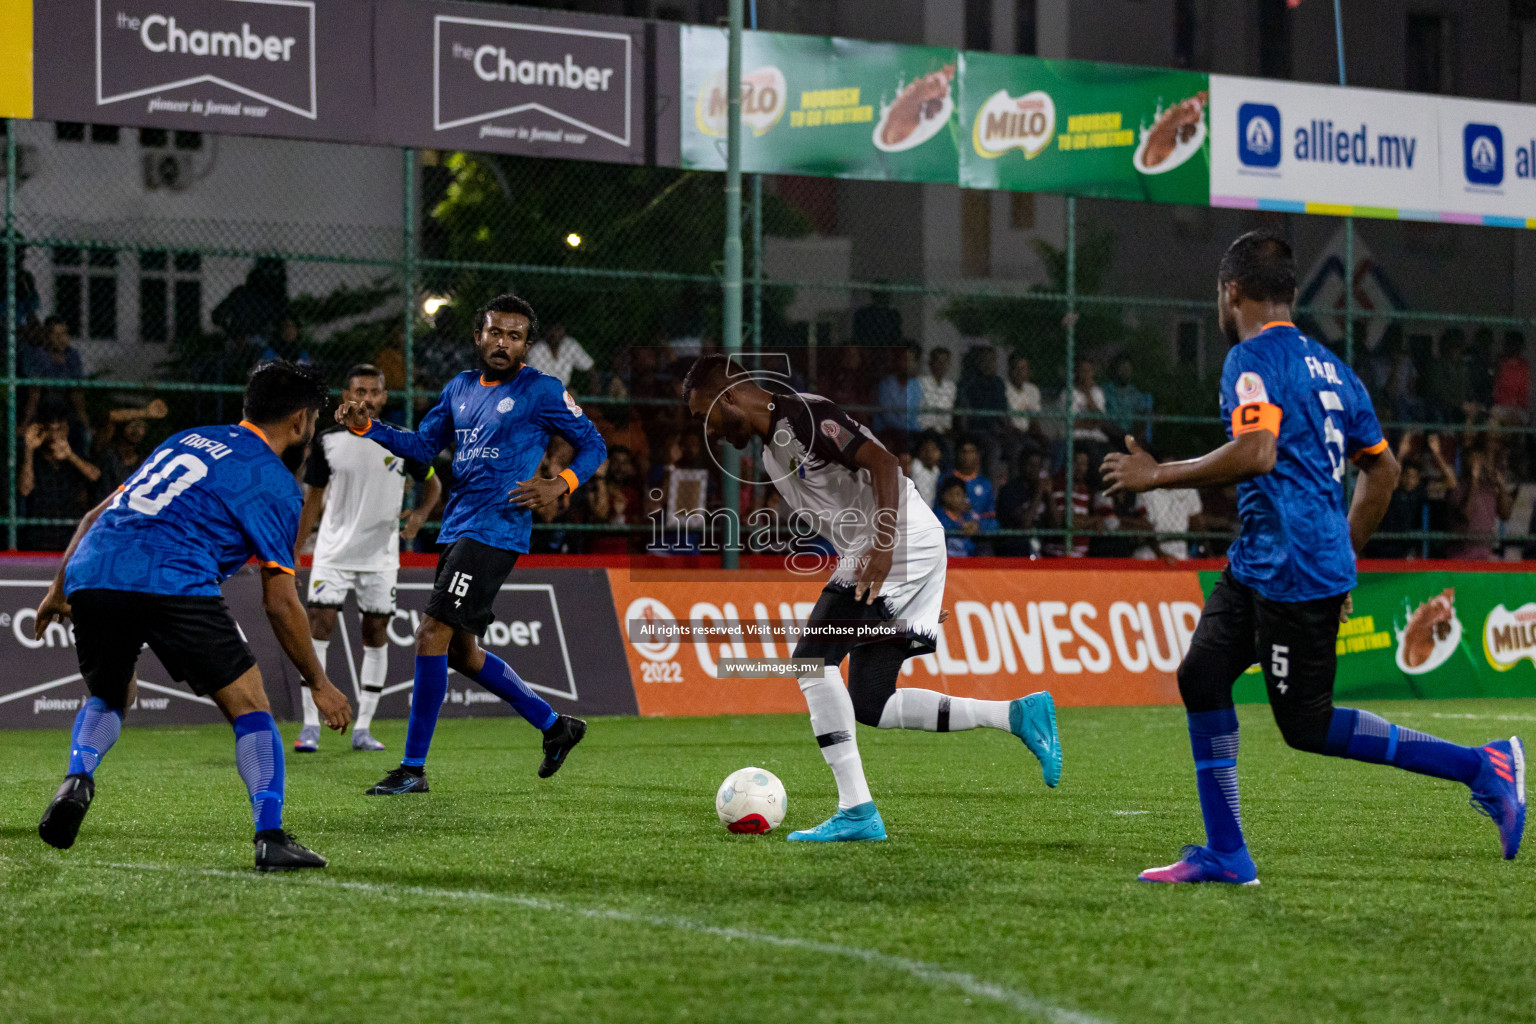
point(26, 162)
point(168, 170)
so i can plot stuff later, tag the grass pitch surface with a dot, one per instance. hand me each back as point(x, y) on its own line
point(610, 892)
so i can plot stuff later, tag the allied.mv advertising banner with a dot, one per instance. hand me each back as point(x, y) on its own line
point(823, 106)
point(1083, 128)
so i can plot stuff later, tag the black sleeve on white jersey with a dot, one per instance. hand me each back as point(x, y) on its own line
point(828, 433)
point(417, 470)
point(317, 468)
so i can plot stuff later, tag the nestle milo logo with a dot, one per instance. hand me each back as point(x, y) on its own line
point(539, 83)
point(261, 50)
point(1509, 636)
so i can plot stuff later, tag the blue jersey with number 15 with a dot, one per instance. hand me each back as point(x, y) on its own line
point(199, 508)
point(1295, 542)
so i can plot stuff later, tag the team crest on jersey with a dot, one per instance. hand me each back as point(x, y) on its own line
point(835, 432)
point(1250, 388)
point(505, 405)
point(570, 403)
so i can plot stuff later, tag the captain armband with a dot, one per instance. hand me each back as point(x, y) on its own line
point(1256, 416)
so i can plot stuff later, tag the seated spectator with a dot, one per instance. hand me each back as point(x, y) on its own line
point(1124, 517)
point(1481, 501)
point(1175, 510)
point(1089, 406)
point(559, 355)
point(1023, 404)
point(924, 468)
point(122, 441)
point(984, 395)
point(938, 393)
point(961, 523)
point(900, 398)
point(1512, 383)
point(55, 481)
point(847, 382)
point(1089, 507)
point(56, 359)
point(1023, 503)
point(1449, 386)
point(978, 487)
point(1127, 406)
point(1405, 514)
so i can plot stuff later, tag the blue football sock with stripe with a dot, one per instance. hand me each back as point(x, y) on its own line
point(497, 676)
point(1213, 739)
point(1362, 736)
point(96, 729)
point(259, 756)
point(426, 701)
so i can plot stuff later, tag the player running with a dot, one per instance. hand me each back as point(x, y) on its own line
point(360, 488)
point(499, 418)
point(1294, 413)
point(891, 566)
point(144, 567)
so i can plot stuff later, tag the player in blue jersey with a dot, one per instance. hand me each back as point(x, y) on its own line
point(498, 419)
point(1295, 414)
point(144, 567)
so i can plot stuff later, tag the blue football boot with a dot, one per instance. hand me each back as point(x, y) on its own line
point(1033, 720)
point(1499, 790)
point(856, 824)
point(1203, 864)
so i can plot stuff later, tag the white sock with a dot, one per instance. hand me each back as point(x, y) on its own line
point(311, 712)
point(834, 725)
point(375, 671)
point(930, 711)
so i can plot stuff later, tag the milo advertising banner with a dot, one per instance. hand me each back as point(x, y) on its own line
point(1089, 129)
point(1431, 634)
point(821, 106)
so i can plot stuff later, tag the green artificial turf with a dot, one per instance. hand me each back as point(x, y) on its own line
point(611, 893)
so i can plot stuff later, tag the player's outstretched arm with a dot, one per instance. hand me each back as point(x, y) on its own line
point(280, 600)
point(421, 444)
point(1373, 493)
point(55, 606)
point(1243, 458)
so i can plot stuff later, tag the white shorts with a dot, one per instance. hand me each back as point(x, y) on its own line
point(914, 590)
point(375, 589)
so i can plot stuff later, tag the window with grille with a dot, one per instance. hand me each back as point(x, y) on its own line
point(170, 295)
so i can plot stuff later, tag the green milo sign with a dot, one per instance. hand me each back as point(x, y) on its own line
point(1430, 635)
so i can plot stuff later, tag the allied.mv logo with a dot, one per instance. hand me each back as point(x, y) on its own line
point(1258, 135)
point(1483, 152)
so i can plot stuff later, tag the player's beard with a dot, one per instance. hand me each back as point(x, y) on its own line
point(293, 455)
point(1228, 327)
point(490, 372)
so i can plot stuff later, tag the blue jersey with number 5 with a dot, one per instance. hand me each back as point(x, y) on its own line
point(199, 508)
point(1295, 542)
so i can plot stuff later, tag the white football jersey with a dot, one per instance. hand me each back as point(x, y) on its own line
point(365, 487)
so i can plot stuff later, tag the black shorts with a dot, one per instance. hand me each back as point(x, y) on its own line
point(1294, 643)
point(469, 576)
point(195, 638)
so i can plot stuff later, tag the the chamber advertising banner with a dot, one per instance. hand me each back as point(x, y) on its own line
point(823, 106)
point(511, 80)
point(297, 68)
point(1089, 129)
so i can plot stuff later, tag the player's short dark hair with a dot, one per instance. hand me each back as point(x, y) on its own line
point(279, 389)
point(362, 370)
point(709, 374)
point(508, 303)
point(54, 321)
point(1262, 266)
point(51, 411)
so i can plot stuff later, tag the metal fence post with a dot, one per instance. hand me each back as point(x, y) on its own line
point(10, 333)
point(731, 287)
point(1070, 394)
point(408, 267)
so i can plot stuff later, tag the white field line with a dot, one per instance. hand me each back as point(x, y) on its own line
point(932, 974)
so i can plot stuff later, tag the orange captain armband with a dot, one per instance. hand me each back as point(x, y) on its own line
point(1375, 449)
point(570, 480)
point(1256, 416)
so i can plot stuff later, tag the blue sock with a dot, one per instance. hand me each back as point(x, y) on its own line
point(259, 756)
point(1213, 739)
point(497, 676)
point(1362, 736)
point(426, 701)
point(96, 729)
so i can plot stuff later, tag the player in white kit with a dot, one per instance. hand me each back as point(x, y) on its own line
point(891, 565)
point(361, 487)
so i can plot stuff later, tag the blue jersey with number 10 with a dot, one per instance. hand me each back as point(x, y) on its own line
point(199, 508)
point(1295, 542)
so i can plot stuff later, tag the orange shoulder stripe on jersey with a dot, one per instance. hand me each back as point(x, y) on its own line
point(1375, 449)
point(1256, 416)
point(1276, 323)
point(365, 430)
point(570, 479)
point(279, 568)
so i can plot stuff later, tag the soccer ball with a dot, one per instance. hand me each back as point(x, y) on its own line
point(751, 800)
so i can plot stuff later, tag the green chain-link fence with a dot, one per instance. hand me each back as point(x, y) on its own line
point(171, 262)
